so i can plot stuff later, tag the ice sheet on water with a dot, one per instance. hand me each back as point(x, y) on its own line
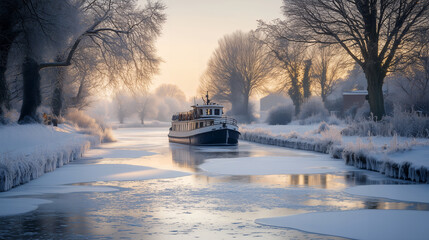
point(359, 224)
point(406, 192)
point(13, 206)
point(55, 182)
point(304, 164)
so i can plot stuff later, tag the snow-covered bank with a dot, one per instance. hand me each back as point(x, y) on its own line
point(396, 157)
point(29, 151)
point(359, 224)
point(116, 161)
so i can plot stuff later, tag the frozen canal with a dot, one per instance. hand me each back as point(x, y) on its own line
point(196, 203)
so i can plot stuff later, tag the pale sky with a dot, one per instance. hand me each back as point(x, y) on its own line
point(192, 30)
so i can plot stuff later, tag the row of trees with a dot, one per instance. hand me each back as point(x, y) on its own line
point(160, 104)
point(315, 43)
point(61, 51)
point(260, 61)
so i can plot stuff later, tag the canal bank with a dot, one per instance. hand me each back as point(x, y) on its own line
point(401, 158)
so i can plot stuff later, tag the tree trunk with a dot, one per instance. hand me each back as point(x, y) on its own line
point(246, 108)
point(375, 76)
point(31, 92)
point(57, 96)
point(323, 82)
point(57, 99)
point(295, 95)
point(4, 92)
point(306, 81)
point(7, 37)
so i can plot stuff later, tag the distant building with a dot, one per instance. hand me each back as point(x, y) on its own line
point(270, 101)
point(354, 98)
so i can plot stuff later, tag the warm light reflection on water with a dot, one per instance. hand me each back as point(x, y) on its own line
point(202, 205)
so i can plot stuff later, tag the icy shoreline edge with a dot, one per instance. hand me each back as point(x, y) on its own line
point(18, 169)
point(404, 170)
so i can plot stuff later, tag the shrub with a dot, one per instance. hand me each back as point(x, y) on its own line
point(335, 105)
point(402, 123)
point(323, 126)
point(333, 120)
point(90, 125)
point(280, 115)
point(363, 112)
point(332, 135)
point(408, 124)
point(313, 110)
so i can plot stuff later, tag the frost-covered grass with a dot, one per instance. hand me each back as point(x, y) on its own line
point(28, 151)
point(394, 156)
point(406, 124)
point(88, 125)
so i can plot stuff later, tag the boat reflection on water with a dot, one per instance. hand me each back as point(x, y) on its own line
point(190, 157)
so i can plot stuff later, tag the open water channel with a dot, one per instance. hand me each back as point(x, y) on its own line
point(201, 205)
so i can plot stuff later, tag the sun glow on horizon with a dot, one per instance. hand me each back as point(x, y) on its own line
point(192, 31)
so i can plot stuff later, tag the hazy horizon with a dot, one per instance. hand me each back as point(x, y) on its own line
point(192, 30)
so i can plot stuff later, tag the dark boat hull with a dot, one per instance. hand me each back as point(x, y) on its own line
point(217, 137)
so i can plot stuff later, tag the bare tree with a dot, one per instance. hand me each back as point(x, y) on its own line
point(377, 34)
point(84, 78)
point(328, 66)
point(164, 101)
point(411, 85)
point(170, 90)
point(238, 68)
point(124, 35)
point(8, 19)
point(292, 62)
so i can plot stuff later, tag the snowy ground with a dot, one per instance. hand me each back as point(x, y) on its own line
point(29, 151)
point(62, 180)
point(397, 157)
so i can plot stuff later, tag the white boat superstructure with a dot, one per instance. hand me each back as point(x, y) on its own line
point(204, 125)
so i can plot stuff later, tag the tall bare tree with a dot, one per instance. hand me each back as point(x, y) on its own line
point(328, 67)
point(292, 63)
point(411, 84)
point(238, 68)
point(8, 19)
point(124, 35)
point(377, 34)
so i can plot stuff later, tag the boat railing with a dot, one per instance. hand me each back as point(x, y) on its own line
point(226, 120)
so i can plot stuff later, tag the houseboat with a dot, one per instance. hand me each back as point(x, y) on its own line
point(204, 125)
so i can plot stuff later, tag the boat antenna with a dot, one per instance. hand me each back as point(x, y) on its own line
point(207, 96)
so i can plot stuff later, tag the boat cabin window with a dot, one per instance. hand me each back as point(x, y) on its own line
point(201, 124)
point(201, 111)
point(209, 112)
point(217, 112)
